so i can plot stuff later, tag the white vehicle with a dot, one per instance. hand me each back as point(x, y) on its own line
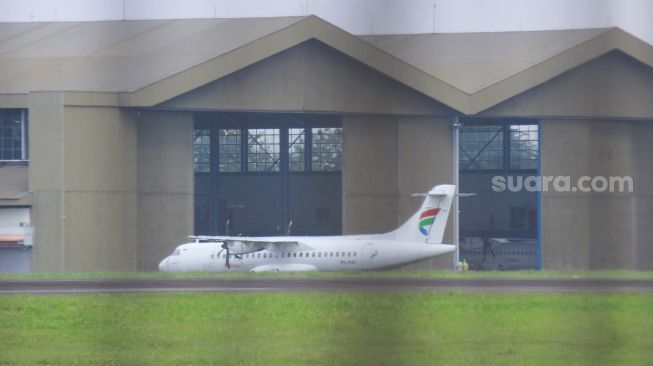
point(418, 239)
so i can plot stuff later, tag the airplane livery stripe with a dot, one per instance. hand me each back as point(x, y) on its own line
point(430, 212)
point(427, 221)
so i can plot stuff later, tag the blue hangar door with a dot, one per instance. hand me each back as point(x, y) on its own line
point(500, 226)
point(267, 174)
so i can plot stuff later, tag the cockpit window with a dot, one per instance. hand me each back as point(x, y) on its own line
point(176, 252)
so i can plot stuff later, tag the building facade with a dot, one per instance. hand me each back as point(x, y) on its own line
point(138, 134)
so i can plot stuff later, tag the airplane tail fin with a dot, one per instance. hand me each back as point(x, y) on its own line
point(428, 223)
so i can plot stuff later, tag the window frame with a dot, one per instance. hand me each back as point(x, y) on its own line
point(506, 163)
point(24, 135)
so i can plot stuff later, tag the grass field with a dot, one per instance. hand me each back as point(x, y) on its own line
point(415, 274)
point(333, 329)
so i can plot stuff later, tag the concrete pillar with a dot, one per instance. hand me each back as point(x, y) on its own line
point(370, 185)
point(425, 158)
point(46, 119)
point(165, 184)
point(387, 159)
point(83, 175)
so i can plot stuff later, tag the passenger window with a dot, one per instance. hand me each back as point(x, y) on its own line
point(294, 255)
point(331, 254)
point(283, 255)
point(301, 255)
point(337, 254)
point(313, 255)
point(319, 255)
point(355, 254)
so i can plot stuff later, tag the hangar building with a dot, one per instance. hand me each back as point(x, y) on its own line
point(118, 139)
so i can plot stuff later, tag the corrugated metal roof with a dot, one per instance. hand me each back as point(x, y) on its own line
point(13, 182)
point(117, 56)
point(473, 61)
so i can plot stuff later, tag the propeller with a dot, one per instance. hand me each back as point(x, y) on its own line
point(225, 247)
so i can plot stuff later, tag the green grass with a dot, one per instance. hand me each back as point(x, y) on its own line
point(331, 329)
point(374, 274)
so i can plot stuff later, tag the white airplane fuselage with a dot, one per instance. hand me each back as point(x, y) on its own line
point(417, 239)
point(327, 254)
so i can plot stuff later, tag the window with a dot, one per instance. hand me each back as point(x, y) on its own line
point(13, 134)
point(202, 151)
point(296, 149)
point(481, 147)
point(229, 142)
point(263, 150)
point(524, 145)
point(326, 149)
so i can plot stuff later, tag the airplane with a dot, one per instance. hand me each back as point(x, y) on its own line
point(418, 239)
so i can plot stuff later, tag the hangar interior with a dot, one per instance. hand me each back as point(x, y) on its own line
point(502, 224)
point(123, 138)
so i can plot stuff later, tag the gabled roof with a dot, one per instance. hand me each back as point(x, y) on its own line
point(117, 56)
point(473, 61)
point(144, 63)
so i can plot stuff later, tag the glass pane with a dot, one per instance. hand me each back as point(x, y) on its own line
point(523, 146)
point(263, 150)
point(481, 147)
point(326, 152)
point(296, 149)
point(229, 150)
point(202, 150)
point(11, 135)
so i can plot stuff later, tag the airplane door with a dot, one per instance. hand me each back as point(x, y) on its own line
point(369, 254)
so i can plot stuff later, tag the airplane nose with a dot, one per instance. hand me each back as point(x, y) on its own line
point(163, 266)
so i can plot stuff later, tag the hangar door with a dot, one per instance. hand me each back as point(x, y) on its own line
point(267, 174)
point(499, 161)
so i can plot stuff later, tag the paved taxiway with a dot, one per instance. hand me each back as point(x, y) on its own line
point(321, 284)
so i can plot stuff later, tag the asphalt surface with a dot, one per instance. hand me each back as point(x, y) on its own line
point(320, 285)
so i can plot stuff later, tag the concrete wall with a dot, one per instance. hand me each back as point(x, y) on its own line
point(386, 159)
point(597, 230)
point(425, 157)
point(83, 175)
point(370, 182)
point(309, 77)
point(165, 184)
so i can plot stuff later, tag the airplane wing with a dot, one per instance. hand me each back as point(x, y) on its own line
point(243, 245)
